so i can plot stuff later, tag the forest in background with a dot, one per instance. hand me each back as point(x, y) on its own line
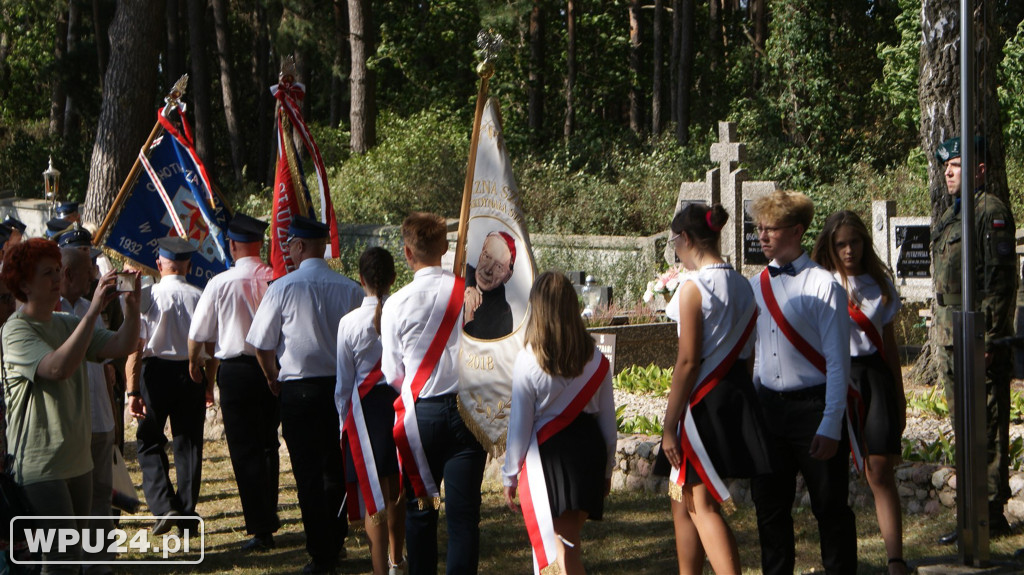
point(608, 104)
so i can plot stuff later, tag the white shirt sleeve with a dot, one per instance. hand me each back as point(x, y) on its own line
point(834, 325)
point(521, 420)
point(265, 331)
point(391, 359)
point(346, 375)
point(204, 321)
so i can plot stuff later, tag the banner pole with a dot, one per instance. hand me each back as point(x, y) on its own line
point(172, 99)
point(485, 70)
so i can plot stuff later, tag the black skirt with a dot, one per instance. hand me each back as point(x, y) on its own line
point(379, 413)
point(574, 462)
point(881, 432)
point(732, 429)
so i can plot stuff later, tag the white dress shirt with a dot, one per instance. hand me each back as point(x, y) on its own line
point(229, 302)
point(359, 350)
point(402, 321)
point(533, 393)
point(724, 296)
point(299, 317)
point(815, 304)
point(165, 324)
point(102, 414)
point(867, 294)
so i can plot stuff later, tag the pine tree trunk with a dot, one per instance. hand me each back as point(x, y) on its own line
point(635, 111)
point(990, 124)
point(363, 114)
point(673, 62)
point(684, 78)
point(223, 33)
point(939, 90)
point(128, 110)
point(174, 55)
point(101, 29)
point(535, 83)
point(570, 71)
point(659, 9)
point(72, 120)
point(342, 58)
point(199, 82)
point(58, 87)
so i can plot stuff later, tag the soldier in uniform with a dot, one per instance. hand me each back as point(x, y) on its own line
point(168, 391)
point(250, 410)
point(996, 289)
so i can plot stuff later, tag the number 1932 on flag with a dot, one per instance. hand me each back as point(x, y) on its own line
point(130, 543)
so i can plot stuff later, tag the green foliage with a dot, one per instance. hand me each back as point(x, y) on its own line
point(942, 450)
point(419, 165)
point(931, 402)
point(898, 85)
point(637, 424)
point(649, 380)
point(1011, 91)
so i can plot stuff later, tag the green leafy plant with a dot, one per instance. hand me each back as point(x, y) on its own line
point(942, 450)
point(932, 401)
point(649, 380)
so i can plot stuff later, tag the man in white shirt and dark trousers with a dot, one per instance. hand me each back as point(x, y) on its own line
point(251, 412)
point(297, 325)
point(801, 372)
point(168, 391)
point(433, 442)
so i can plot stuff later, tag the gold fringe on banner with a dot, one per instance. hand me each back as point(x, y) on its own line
point(495, 448)
point(552, 569)
point(379, 518)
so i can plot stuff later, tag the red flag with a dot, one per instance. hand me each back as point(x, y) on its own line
point(291, 196)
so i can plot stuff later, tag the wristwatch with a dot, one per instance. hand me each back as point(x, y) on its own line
point(134, 394)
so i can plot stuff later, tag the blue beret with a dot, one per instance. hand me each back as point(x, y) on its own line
point(77, 237)
point(175, 248)
point(65, 208)
point(308, 228)
point(243, 228)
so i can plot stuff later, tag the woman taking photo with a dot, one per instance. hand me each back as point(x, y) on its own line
point(561, 431)
point(844, 248)
point(46, 389)
point(713, 426)
point(366, 406)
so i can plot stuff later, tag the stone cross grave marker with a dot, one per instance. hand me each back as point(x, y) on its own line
point(727, 185)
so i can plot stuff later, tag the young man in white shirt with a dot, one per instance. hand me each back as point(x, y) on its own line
point(420, 340)
point(801, 371)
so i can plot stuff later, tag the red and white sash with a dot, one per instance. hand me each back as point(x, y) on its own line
point(533, 492)
point(372, 498)
point(812, 355)
point(427, 351)
point(867, 326)
point(714, 367)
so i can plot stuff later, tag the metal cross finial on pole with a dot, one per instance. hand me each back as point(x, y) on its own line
point(288, 71)
point(173, 98)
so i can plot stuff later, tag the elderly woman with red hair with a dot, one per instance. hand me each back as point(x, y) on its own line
point(46, 389)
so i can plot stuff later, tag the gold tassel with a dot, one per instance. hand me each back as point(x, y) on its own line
point(552, 569)
point(729, 506)
point(428, 502)
point(675, 491)
point(379, 518)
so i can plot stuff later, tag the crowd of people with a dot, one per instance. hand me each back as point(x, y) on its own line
point(792, 371)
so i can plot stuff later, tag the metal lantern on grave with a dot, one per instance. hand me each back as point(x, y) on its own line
point(51, 185)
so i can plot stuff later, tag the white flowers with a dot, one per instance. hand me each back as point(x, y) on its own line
point(665, 284)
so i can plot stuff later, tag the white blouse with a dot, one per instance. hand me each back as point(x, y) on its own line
point(725, 294)
point(867, 294)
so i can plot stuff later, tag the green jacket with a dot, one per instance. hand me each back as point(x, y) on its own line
point(995, 268)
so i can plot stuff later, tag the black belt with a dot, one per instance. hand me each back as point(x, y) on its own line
point(249, 359)
point(802, 394)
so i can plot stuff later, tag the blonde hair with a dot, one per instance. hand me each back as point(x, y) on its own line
point(555, 330)
point(426, 235)
point(784, 207)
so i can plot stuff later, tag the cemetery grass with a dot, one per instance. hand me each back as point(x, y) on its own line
point(634, 537)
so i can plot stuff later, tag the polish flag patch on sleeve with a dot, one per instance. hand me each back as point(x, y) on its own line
point(998, 224)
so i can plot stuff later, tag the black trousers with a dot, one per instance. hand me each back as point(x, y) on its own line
point(792, 420)
point(456, 458)
point(251, 416)
point(170, 393)
point(309, 423)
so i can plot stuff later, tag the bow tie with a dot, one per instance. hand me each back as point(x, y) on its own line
point(787, 269)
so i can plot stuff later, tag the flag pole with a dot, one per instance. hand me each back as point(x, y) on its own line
point(489, 44)
point(172, 101)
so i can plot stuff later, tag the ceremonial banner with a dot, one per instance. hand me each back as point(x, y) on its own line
point(499, 273)
point(172, 196)
point(291, 195)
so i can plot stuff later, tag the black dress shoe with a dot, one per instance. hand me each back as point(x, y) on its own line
point(999, 527)
point(166, 523)
point(949, 538)
point(259, 544)
point(314, 568)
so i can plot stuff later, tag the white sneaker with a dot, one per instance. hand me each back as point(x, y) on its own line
point(396, 569)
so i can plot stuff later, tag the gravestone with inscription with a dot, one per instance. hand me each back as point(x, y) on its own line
point(727, 185)
point(904, 244)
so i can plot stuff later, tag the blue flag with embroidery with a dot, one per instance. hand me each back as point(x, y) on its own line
point(172, 197)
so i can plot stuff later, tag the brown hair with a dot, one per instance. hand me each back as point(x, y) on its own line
point(825, 252)
point(20, 263)
point(426, 235)
point(377, 269)
point(702, 224)
point(555, 330)
point(783, 207)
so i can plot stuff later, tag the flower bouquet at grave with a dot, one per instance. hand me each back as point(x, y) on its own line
point(665, 284)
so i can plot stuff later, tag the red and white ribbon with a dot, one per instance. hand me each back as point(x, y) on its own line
point(358, 440)
point(427, 351)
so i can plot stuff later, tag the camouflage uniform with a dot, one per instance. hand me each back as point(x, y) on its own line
point(996, 292)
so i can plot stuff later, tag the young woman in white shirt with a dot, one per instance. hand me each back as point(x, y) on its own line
point(559, 369)
point(711, 386)
point(844, 248)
